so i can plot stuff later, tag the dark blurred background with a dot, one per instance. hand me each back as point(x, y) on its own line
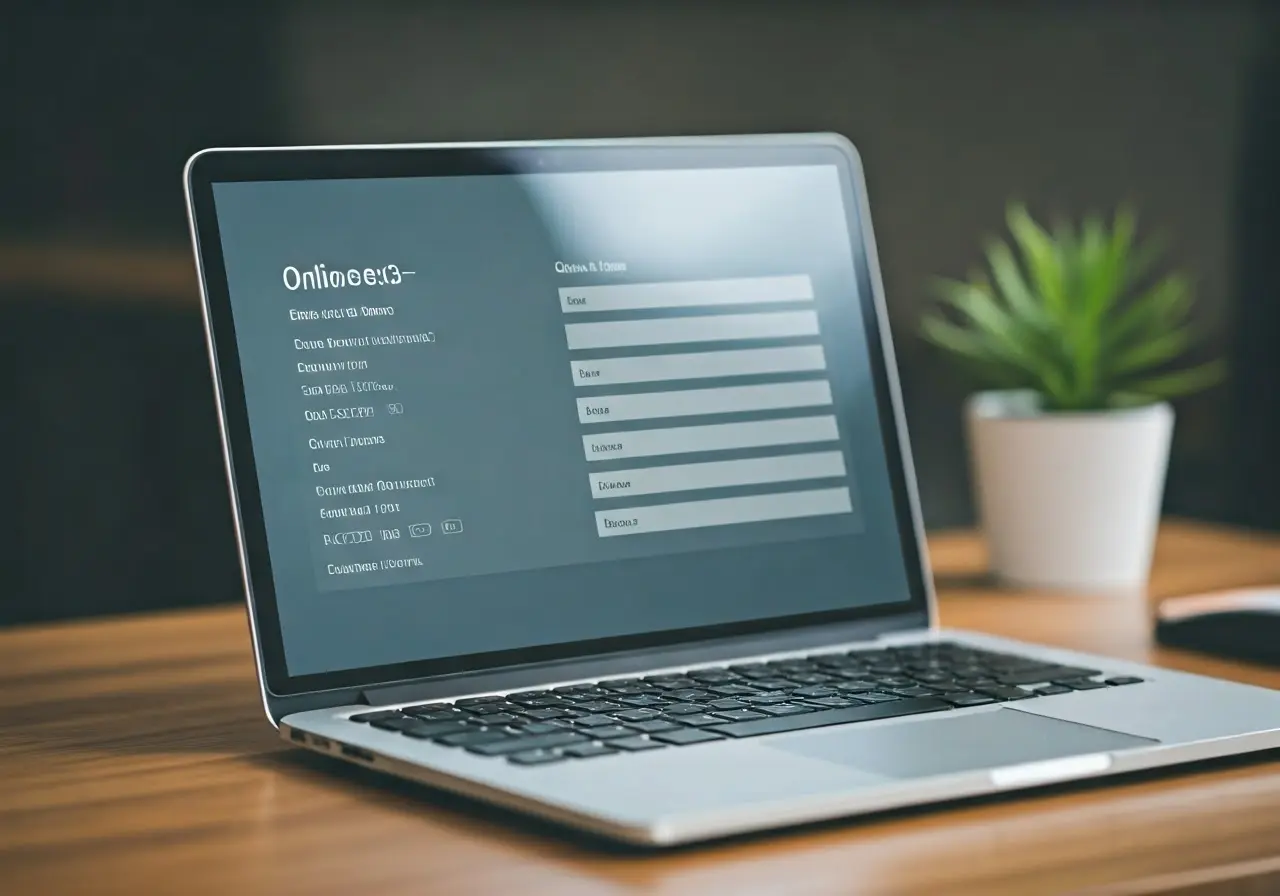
point(115, 498)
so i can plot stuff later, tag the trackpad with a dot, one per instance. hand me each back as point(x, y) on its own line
point(939, 746)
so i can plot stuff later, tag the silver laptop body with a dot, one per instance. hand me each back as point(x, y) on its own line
point(1131, 717)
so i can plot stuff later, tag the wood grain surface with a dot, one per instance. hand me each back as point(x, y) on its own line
point(134, 758)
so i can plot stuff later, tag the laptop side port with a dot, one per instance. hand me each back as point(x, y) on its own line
point(356, 753)
point(320, 742)
point(298, 737)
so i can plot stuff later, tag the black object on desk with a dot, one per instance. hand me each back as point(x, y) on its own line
point(1242, 624)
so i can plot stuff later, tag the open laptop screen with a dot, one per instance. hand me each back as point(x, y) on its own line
point(527, 408)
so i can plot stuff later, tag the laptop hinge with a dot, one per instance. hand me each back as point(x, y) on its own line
point(632, 662)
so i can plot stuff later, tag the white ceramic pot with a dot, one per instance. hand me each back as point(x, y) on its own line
point(1069, 500)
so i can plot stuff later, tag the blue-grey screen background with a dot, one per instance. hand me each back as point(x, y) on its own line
point(489, 411)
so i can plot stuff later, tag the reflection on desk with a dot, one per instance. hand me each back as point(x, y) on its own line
point(135, 758)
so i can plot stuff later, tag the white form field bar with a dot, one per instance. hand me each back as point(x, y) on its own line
point(690, 402)
point(717, 474)
point(711, 437)
point(698, 365)
point(704, 328)
point(722, 512)
point(687, 293)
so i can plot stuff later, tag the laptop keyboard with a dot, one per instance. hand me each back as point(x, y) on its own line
point(582, 721)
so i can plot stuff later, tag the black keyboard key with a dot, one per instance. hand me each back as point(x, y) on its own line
point(635, 744)
point(1046, 673)
point(1081, 684)
point(967, 698)
point(541, 702)
point(854, 685)
point(586, 751)
point(823, 718)
point(642, 700)
point(543, 715)
point(1007, 692)
point(431, 730)
point(607, 732)
point(835, 661)
point(536, 757)
point(678, 684)
point(763, 699)
point(916, 691)
point(685, 736)
point(501, 718)
point(620, 683)
point(629, 690)
point(664, 680)
point(876, 697)
point(836, 701)
point(542, 728)
point(592, 693)
point(593, 721)
point(598, 706)
point(1035, 675)
point(524, 695)
point(732, 690)
point(684, 709)
point(1051, 690)
point(398, 723)
point(727, 703)
point(477, 736)
point(893, 682)
point(792, 665)
point(787, 709)
point(652, 725)
point(689, 695)
point(713, 676)
point(452, 716)
point(477, 701)
point(772, 684)
point(378, 715)
point(531, 701)
point(740, 715)
point(814, 691)
point(932, 677)
point(1124, 679)
point(700, 720)
point(516, 744)
point(636, 715)
point(484, 709)
point(806, 678)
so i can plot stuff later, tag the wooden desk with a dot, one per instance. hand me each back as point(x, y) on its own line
point(134, 758)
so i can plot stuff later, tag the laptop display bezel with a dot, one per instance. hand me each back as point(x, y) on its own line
point(306, 163)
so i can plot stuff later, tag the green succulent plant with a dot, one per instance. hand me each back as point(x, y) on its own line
point(1074, 315)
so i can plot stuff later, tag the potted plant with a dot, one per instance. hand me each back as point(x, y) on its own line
point(1082, 347)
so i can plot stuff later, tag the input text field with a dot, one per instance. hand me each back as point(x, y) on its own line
point(722, 512)
point(704, 328)
point(690, 402)
point(698, 365)
point(710, 437)
point(686, 293)
point(717, 474)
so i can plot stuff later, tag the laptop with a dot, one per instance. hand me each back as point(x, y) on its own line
point(572, 476)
